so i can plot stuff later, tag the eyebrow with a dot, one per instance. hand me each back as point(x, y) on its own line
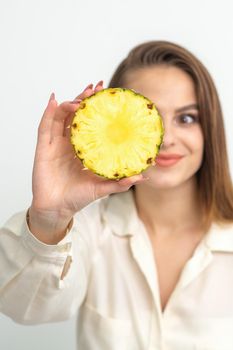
point(192, 106)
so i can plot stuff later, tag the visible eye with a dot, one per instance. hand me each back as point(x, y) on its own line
point(187, 119)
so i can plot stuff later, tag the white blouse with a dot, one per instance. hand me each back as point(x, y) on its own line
point(104, 271)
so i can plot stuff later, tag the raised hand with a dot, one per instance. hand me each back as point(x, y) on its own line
point(61, 187)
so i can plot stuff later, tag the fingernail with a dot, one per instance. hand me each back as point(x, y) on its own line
point(90, 86)
point(145, 177)
point(52, 96)
point(75, 102)
point(100, 83)
point(140, 180)
point(137, 178)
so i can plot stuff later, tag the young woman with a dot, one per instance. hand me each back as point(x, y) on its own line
point(149, 264)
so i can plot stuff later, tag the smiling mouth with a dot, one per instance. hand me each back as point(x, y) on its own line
point(166, 161)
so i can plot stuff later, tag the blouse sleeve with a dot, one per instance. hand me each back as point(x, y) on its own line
point(42, 283)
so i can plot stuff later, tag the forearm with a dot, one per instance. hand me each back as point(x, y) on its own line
point(33, 286)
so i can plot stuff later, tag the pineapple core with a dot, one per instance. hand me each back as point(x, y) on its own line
point(118, 135)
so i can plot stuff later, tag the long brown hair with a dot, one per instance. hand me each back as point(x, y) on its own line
point(213, 177)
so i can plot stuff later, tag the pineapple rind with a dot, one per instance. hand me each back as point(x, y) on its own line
point(138, 140)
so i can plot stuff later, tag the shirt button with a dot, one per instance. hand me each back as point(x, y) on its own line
point(68, 246)
point(64, 248)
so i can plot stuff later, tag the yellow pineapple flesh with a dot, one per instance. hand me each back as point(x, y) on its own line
point(117, 133)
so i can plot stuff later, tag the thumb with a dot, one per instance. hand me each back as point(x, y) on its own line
point(114, 186)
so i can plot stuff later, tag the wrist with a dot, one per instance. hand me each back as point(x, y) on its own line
point(49, 228)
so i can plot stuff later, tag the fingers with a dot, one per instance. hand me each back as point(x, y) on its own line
point(99, 86)
point(132, 180)
point(64, 111)
point(52, 122)
point(88, 91)
point(45, 126)
point(112, 186)
point(56, 119)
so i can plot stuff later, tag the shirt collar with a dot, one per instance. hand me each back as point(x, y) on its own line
point(220, 238)
point(120, 213)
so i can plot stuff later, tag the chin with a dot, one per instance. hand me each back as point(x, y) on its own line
point(164, 185)
point(163, 179)
point(167, 181)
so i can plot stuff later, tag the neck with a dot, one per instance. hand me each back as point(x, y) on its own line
point(169, 210)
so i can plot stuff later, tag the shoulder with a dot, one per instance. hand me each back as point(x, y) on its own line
point(223, 228)
point(220, 237)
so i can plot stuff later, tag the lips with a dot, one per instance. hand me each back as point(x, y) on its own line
point(166, 160)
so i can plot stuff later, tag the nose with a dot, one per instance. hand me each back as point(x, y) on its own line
point(169, 138)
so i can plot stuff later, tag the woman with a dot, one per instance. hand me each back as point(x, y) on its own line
point(149, 266)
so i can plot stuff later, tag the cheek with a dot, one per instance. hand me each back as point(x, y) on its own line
point(195, 146)
point(195, 142)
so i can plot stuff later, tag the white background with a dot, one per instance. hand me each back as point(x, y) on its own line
point(62, 46)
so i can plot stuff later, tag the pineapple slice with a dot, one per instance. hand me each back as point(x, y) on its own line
point(117, 133)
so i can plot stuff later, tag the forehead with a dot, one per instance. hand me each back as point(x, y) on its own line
point(167, 86)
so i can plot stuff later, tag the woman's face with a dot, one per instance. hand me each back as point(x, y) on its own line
point(173, 92)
